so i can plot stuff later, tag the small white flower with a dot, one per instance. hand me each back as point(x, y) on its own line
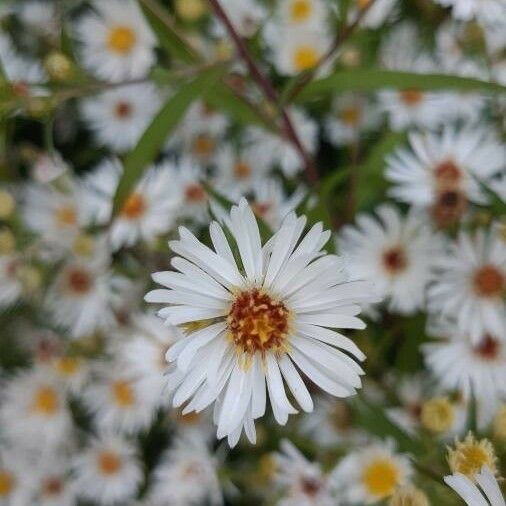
point(117, 43)
point(247, 323)
point(485, 492)
point(372, 473)
point(10, 279)
point(395, 253)
point(302, 482)
point(187, 474)
point(107, 471)
point(119, 117)
point(487, 11)
point(469, 285)
point(301, 14)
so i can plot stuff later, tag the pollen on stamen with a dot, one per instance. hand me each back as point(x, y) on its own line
point(258, 323)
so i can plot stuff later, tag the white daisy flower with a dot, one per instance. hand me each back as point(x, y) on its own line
point(275, 151)
point(117, 400)
point(107, 471)
point(187, 474)
point(118, 117)
point(351, 115)
point(469, 285)
point(71, 371)
point(372, 473)
point(442, 173)
point(34, 412)
point(302, 482)
point(485, 492)
point(149, 211)
point(52, 485)
point(470, 367)
point(80, 298)
point(301, 14)
point(14, 477)
point(117, 43)
point(256, 319)
point(487, 11)
point(396, 253)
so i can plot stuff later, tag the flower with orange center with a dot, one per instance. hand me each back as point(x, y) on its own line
point(447, 173)
point(134, 207)
point(66, 216)
point(45, 401)
point(78, 281)
point(195, 193)
point(258, 323)
point(362, 4)
point(242, 170)
point(411, 97)
point(203, 146)
point(488, 348)
point(67, 366)
point(123, 110)
point(109, 463)
point(489, 281)
point(121, 39)
point(123, 394)
point(395, 260)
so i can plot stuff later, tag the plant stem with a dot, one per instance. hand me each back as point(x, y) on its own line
point(268, 89)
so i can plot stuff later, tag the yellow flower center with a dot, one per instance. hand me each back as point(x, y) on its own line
point(203, 146)
point(109, 463)
point(7, 241)
point(121, 39)
point(381, 477)
point(7, 204)
point(123, 394)
point(470, 455)
point(408, 496)
point(438, 414)
point(362, 4)
point(258, 322)
point(7, 483)
point(305, 57)
point(300, 10)
point(83, 245)
point(242, 170)
point(45, 401)
point(134, 207)
point(350, 115)
point(190, 10)
point(66, 216)
point(67, 366)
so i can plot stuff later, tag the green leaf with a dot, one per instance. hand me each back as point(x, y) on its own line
point(371, 80)
point(225, 100)
point(156, 134)
point(169, 39)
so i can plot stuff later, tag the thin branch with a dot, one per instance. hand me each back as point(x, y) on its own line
point(268, 90)
point(340, 39)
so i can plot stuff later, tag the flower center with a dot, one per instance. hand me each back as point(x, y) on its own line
point(195, 193)
point(53, 486)
point(242, 170)
point(123, 394)
point(362, 4)
point(45, 401)
point(489, 281)
point(257, 322)
point(305, 57)
point(310, 486)
point(79, 281)
point(123, 110)
point(411, 97)
point(350, 115)
point(447, 173)
point(109, 463)
point(66, 216)
point(437, 415)
point(121, 39)
point(7, 483)
point(380, 477)
point(261, 208)
point(300, 10)
point(67, 366)
point(203, 146)
point(449, 207)
point(395, 260)
point(134, 207)
point(488, 349)
point(471, 455)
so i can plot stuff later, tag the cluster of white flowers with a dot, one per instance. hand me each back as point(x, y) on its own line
point(145, 319)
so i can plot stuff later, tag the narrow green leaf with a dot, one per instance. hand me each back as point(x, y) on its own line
point(371, 80)
point(156, 134)
point(167, 37)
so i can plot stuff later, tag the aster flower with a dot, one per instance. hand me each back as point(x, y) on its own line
point(395, 253)
point(117, 42)
point(372, 473)
point(485, 492)
point(186, 474)
point(469, 285)
point(118, 117)
point(107, 471)
point(248, 323)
